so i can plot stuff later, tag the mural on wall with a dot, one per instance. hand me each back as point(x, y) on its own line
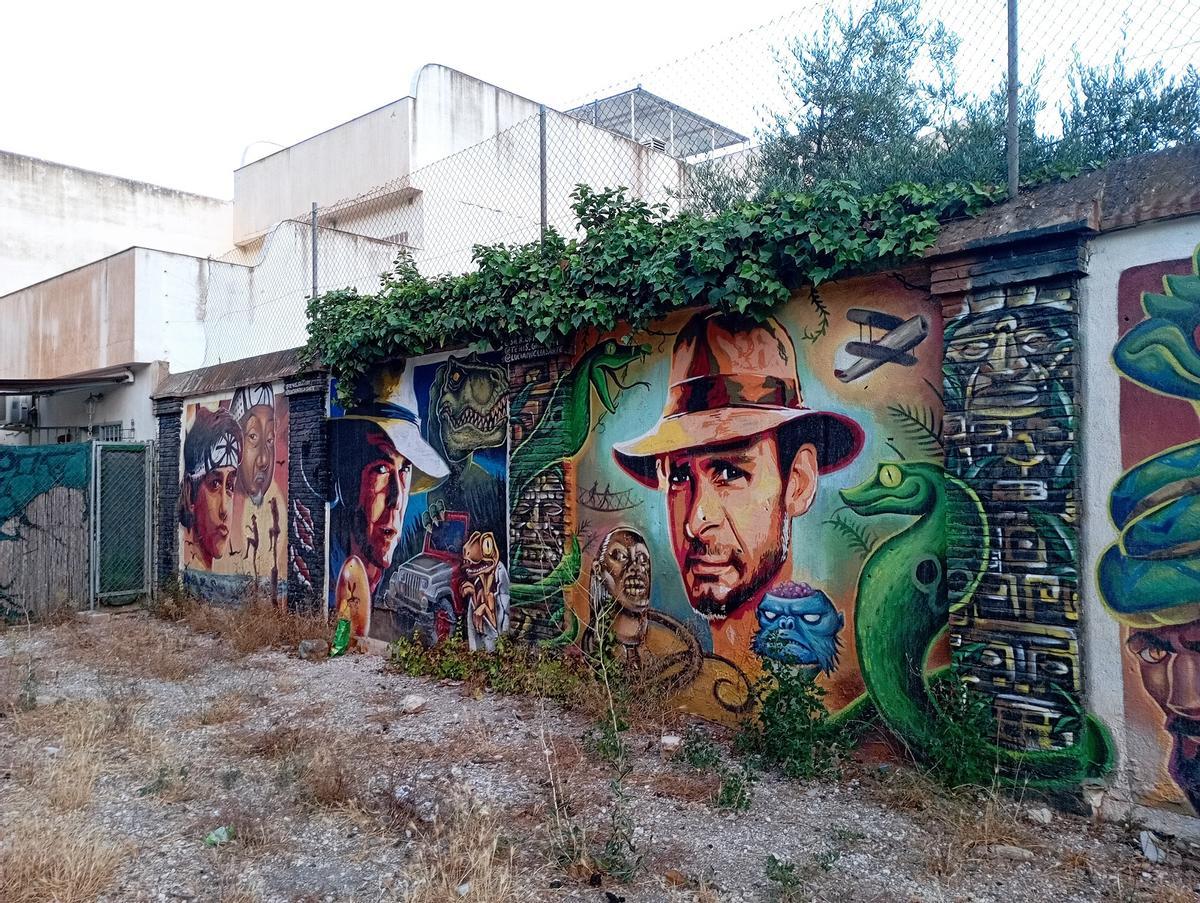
point(703, 460)
point(233, 494)
point(44, 536)
point(1010, 433)
point(1150, 577)
point(419, 541)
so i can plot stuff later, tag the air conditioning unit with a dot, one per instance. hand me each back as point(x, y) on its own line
point(654, 142)
point(17, 411)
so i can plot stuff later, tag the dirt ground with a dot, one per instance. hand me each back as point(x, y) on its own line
point(126, 740)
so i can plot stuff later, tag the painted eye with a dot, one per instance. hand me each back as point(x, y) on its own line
point(810, 618)
point(890, 476)
point(610, 348)
point(767, 614)
point(1152, 655)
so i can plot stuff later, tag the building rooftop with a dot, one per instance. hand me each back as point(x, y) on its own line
point(658, 123)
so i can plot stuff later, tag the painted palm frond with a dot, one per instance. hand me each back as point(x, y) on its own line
point(860, 539)
point(921, 426)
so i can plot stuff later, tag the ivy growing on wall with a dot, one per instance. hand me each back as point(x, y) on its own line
point(633, 262)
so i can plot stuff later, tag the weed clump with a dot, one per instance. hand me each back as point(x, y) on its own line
point(792, 731)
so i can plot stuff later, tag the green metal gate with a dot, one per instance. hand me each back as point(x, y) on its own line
point(122, 521)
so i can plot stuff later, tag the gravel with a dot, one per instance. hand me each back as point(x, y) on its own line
point(194, 761)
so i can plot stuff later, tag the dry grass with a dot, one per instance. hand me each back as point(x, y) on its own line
point(225, 708)
point(967, 828)
point(61, 861)
point(686, 786)
point(134, 646)
point(255, 624)
point(70, 779)
point(326, 779)
point(462, 857)
point(252, 830)
point(280, 740)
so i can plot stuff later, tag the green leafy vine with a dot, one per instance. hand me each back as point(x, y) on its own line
point(633, 262)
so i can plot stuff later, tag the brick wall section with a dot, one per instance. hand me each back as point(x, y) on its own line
point(169, 412)
point(308, 488)
point(541, 519)
point(1009, 383)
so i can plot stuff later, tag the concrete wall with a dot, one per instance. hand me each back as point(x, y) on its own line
point(339, 163)
point(55, 217)
point(1142, 783)
point(454, 111)
point(81, 320)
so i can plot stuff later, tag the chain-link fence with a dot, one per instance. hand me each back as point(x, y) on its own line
point(769, 108)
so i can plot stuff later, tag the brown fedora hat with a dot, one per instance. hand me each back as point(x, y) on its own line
point(733, 378)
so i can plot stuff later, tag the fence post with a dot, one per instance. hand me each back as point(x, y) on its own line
point(1014, 140)
point(542, 168)
point(314, 249)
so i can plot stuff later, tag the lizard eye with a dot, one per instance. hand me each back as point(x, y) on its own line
point(889, 476)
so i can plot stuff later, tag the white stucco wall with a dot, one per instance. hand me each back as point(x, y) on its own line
point(339, 163)
point(1138, 760)
point(454, 111)
point(55, 218)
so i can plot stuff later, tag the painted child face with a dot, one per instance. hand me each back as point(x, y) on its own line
point(258, 452)
point(212, 504)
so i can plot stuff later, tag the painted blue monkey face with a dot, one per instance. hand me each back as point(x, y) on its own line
point(799, 625)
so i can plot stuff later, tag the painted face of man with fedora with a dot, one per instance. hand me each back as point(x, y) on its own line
point(738, 456)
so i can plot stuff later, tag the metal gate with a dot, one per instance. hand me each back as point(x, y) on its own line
point(122, 521)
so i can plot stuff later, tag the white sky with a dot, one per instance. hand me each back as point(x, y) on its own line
point(176, 92)
point(173, 92)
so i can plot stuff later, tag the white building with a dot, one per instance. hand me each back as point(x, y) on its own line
point(458, 162)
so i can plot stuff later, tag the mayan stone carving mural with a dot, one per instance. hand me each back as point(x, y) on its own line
point(1010, 434)
point(1149, 579)
point(233, 500)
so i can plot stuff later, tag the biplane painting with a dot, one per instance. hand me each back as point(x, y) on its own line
point(721, 484)
point(1148, 577)
point(233, 499)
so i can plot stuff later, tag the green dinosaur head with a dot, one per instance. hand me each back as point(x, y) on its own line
point(898, 487)
point(470, 397)
point(607, 363)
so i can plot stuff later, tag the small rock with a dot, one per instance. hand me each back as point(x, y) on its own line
point(412, 703)
point(313, 650)
point(1152, 847)
point(1006, 851)
point(1042, 816)
point(464, 888)
point(675, 878)
point(43, 701)
point(669, 745)
point(52, 750)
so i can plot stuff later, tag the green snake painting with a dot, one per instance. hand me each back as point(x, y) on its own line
point(901, 616)
point(563, 428)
